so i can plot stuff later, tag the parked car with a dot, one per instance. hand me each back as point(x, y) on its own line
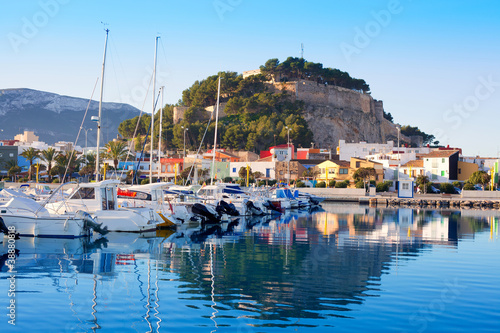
point(457, 190)
point(478, 187)
point(432, 189)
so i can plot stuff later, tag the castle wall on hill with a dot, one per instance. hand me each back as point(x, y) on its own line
point(321, 94)
point(180, 111)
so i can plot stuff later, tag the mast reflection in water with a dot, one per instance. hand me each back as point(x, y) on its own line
point(347, 267)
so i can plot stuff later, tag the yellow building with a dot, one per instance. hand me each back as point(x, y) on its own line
point(357, 163)
point(465, 170)
point(333, 170)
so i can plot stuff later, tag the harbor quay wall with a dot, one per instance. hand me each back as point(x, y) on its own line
point(341, 194)
point(493, 195)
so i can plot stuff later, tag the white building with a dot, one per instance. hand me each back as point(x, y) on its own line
point(282, 153)
point(441, 165)
point(362, 149)
point(266, 168)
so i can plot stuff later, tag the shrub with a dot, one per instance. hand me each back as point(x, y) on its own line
point(457, 184)
point(145, 181)
point(55, 181)
point(469, 187)
point(447, 188)
point(321, 184)
point(343, 184)
point(383, 187)
point(300, 183)
point(227, 180)
point(332, 183)
point(360, 184)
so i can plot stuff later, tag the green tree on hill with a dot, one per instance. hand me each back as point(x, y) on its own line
point(415, 131)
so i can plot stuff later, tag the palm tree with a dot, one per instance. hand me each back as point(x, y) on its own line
point(68, 161)
point(12, 168)
point(89, 161)
point(49, 156)
point(422, 181)
point(116, 150)
point(30, 154)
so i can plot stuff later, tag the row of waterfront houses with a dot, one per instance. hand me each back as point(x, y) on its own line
point(285, 162)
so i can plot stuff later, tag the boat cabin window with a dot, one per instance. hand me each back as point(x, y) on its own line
point(84, 193)
point(108, 195)
point(156, 195)
point(206, 193)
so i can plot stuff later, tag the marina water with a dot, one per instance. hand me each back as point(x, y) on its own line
point(346, 268)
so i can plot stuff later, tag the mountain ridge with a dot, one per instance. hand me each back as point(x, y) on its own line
point(55, 117)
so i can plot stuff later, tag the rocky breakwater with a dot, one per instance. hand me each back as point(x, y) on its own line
point(440, 203)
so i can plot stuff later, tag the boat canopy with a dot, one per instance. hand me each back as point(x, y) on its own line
point(284, 193)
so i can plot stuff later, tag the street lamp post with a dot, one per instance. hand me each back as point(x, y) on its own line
point(399, 155)
point(184, 150)
point(288, 149)
point(86, 130)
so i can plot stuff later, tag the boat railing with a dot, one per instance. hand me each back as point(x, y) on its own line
point(53, 194)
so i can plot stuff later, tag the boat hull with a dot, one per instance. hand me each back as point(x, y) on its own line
point(42, 226)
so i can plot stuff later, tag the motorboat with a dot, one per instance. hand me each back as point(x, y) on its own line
point(100, 200)
point(26, 217)
point(153, 196)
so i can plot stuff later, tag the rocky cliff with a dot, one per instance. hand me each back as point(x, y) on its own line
point(335, 113)
point(57, 118)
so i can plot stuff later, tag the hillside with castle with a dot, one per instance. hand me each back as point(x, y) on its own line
point(332, 112)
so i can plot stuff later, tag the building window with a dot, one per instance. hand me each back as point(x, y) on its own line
point(358, 164)
point(1, 154)
point(11, 155)
point(459, 171)
point(405, 186)
point(234, 169)
point(343, 171)
point(442, 160)
point(405, 171)
point(442, 173)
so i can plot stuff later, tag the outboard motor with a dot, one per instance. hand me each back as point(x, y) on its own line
point(227, 208)
point(203, 212)
point(90, 223)
point(269, 205)
point(253, 209)
point(3, 227)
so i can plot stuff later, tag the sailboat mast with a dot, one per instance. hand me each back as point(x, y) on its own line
point(159, 136)
point(153, 117)
point(215, 136)
point(100, 109)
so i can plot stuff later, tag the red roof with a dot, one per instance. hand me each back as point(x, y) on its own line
point(440, 153)
point(265, 153)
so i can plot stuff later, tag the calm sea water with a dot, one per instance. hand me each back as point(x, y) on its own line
point(348, 268)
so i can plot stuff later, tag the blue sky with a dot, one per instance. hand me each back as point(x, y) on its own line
point(434, 64)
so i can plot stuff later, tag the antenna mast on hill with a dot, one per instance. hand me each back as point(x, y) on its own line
point(301, 50)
